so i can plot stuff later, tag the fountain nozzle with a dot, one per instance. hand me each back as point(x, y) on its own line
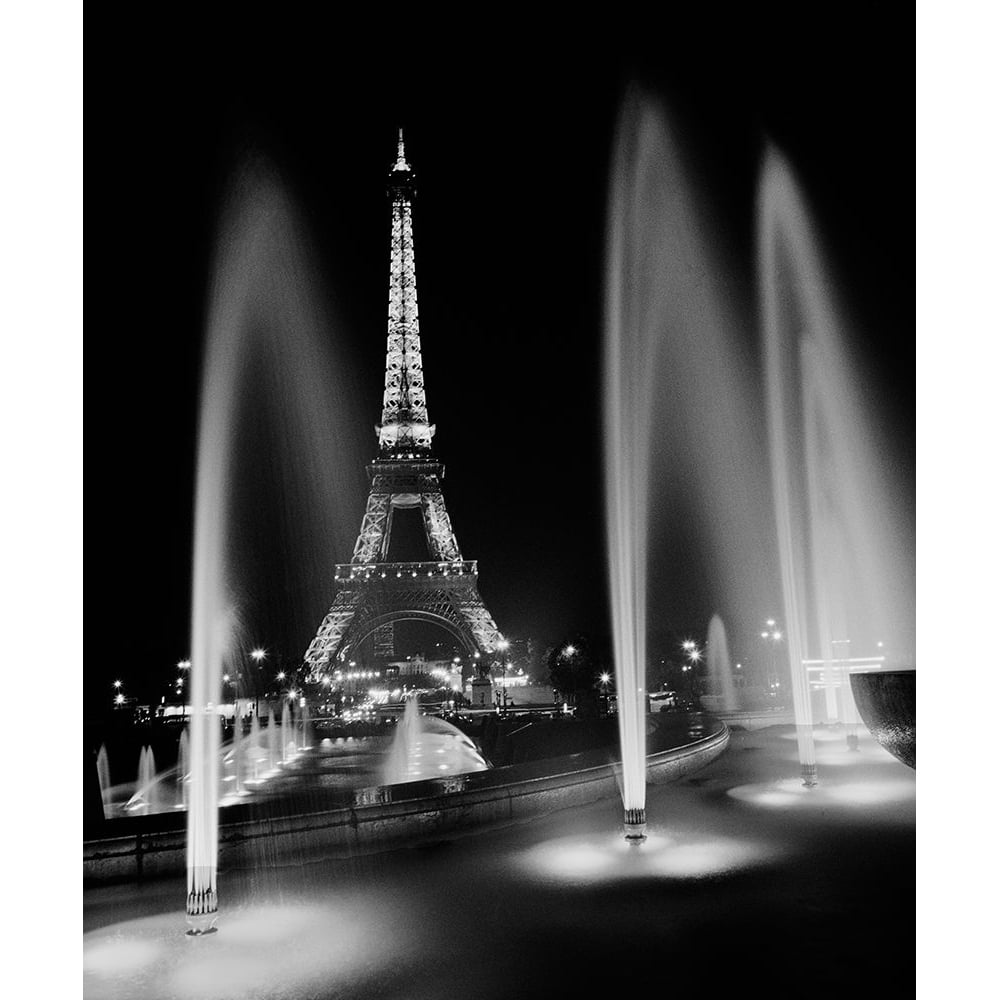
point(809, 779)
point(635, 825)
point(202, 912)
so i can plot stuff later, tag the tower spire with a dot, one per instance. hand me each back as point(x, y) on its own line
point(405, 428)
point(400, 163)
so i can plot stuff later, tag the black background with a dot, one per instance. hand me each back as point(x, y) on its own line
point(509, 128)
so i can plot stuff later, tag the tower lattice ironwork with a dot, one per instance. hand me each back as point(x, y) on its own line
point(372, 593)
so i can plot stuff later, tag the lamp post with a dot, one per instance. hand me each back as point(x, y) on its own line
point(258, 656)
point(772, 635)
point(694, 655)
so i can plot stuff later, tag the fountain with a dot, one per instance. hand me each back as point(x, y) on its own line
point(722, 694)
point(273, 751)
point(265, 323)
point(813, 483)
point(146, 798)
point(845, 566)
point(254, 748)
point(305, 725)
point(183, 769)
point(103, 776)
point(286, 728)
point(630, 347)
point(427, 747)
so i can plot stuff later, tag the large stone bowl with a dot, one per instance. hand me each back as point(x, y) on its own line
point(887, 702)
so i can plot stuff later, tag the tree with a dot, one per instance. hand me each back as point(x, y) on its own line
point(574, 669)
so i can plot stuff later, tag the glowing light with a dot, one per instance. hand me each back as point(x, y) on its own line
point(605, 678)
point(777, 635)
point(599, 859)
point(225, 677)
point(695, 655)
point(770, 623)
point(120, 699)
point(183, 664)
point(688, 644)
point(764, 635)
point(569, 650)
point(258, 654)
point(503, 644)
point(281, 675)
point(118, 684)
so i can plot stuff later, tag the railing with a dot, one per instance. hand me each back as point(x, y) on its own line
point(402, 571)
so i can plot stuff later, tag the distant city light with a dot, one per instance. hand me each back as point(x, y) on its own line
point(183, 664)
point(777, 635)
point(688, 644)
point(258, 654)
point(225, 677)
point(281, 675)
point(120, 699)
point(118, 684)
point(605, 677)
point(771, 623)
point(570, 650)
point(695, 655)
point(764, 635)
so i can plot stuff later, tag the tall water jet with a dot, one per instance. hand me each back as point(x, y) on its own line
point(305, 725)
point(267, 354)
point(183, 768)
point(273, 752)
point(629, 353)
point(720, 668)
point(254, 745)
point(104, 776)
point(846, 574)
point(238, 752)
point(286, 731)
point(397, 767)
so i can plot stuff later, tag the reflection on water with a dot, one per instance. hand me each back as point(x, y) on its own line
point(599, 858)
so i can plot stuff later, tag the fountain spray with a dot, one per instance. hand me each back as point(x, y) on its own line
point(629, 350)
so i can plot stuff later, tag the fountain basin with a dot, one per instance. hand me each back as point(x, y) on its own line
point(887, 702)
point(261, 835)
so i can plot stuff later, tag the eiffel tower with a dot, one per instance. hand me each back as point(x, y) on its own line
point(371, 593)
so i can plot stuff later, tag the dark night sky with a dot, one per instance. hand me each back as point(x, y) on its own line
point(510, 134)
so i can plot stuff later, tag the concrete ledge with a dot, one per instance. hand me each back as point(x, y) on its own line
point(291, 838)
point(754, 720)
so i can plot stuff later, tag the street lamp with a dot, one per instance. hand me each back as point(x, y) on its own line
point(694, 655)
point(773, 636)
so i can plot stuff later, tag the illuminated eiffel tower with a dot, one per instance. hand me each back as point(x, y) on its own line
point(371, 593)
